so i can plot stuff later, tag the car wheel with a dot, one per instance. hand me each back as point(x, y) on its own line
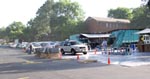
point(84, 52)
point(73, 52)
point(62, 51)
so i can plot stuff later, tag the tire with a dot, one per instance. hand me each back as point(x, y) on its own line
point(73, 52)
point(62, 51)
point(84, 53)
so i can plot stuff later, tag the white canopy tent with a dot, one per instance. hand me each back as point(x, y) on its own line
point(96, 35)
point(145, 31)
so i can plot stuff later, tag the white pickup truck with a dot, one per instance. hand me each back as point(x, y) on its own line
point(73, 47)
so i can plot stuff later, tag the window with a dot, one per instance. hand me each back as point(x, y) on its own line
point(100, 23)
point(107, 25)
point(110, 25)
point(116, 25)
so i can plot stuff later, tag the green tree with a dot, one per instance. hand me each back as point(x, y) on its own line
point(29, 32)
point(40, 25)
point(120, 13)
point(147, 3)
point(56, 20)
point(2, 32)
point(66, 18)
point(15, 30)
point(141, 17)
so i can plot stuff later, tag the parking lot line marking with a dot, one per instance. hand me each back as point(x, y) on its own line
point(31, 62)
point(24, 78)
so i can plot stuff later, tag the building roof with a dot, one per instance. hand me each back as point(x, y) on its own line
point(110, 19)
point(96, 35)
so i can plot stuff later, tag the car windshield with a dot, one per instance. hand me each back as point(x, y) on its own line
point(36, 44)
point(44, 44)
point(74, 43)
point(52, 43)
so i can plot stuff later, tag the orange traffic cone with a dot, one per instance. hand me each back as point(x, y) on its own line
point(108, 60)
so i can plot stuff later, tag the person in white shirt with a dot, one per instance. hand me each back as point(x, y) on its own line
point(104, 46)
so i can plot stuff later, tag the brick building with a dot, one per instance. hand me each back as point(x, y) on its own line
point(104, 25)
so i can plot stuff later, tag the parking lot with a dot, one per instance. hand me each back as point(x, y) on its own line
point(15, 64)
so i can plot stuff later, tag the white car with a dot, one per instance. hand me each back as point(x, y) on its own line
point(47, 45)
point(73, 47)
point(13, 45)
point(35, 45)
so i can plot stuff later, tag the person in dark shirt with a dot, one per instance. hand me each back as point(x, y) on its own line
point(30, 47)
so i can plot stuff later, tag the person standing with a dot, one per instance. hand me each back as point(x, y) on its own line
point(104, 46)
point(30, 47)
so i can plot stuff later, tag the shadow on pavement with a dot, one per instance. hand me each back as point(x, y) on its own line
point(44, 65)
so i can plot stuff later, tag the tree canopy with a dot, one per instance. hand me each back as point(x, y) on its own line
point(148, 4)
point(56, 20)
point(120, 13)
point(141, 17)
point(15, 30)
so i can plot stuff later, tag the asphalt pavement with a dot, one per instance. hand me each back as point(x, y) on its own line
point(15, 64)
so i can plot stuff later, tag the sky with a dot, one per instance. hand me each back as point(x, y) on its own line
point(24, 10)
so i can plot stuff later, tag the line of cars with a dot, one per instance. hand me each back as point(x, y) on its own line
point(18, 45)
point(42, 46)
point(70, 46)
point(35, 45)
